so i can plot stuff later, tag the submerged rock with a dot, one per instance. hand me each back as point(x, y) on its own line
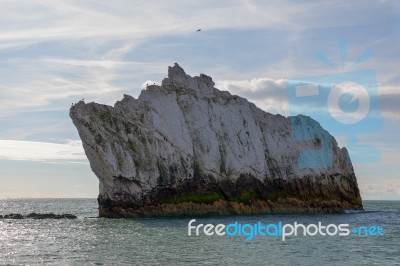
point(38, 216)
point(50, 216)
point(13, 216)
point(187, 148)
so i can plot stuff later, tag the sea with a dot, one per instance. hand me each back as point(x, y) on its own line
point(89, 240)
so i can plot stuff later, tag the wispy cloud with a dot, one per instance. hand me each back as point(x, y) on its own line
point(70, 152)
point(40, 21)
point(71, 49)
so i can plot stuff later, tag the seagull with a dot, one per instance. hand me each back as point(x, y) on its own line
point(198, 30)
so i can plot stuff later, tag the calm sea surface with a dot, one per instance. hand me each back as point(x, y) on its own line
point(164, 241)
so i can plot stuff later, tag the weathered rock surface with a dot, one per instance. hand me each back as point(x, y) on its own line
point(187, 148)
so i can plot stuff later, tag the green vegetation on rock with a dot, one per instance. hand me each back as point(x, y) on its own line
point(246, 196)
point(195, 198)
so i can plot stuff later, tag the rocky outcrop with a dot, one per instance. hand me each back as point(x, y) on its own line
point(187, 148)
point(34, 215)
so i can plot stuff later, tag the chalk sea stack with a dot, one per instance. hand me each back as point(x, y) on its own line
point(187, 148)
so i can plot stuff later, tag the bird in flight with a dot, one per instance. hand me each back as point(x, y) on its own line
point(198, 30)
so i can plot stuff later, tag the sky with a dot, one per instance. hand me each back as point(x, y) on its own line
point(57, 52)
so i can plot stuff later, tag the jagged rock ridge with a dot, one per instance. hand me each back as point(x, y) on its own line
point(187, 148)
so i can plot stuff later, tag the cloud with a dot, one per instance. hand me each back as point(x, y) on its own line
point(380, 191)
point(70, 152)
point(65, 50)
point(72, 20)
point(49, 20)
point(270, 95)
point(389, 99)
point(50, 83)
point(267, 94)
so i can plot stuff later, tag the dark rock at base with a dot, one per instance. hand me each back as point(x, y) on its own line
point(207, 196)
point(223, 207)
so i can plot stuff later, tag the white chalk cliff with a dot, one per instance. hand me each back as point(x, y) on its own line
point(187, 148)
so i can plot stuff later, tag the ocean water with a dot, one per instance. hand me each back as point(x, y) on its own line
point(165, 241)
